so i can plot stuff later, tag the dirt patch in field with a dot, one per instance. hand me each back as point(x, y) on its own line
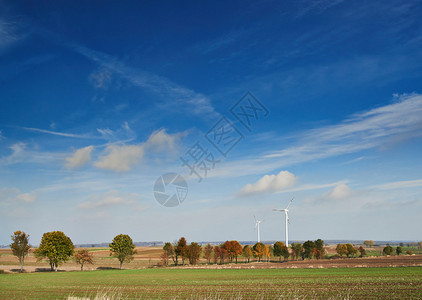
point(364, 262)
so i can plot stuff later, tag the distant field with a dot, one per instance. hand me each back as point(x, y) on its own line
point(344, 283)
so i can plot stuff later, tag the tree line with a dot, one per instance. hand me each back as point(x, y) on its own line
point(58, 248)
point(228, 252)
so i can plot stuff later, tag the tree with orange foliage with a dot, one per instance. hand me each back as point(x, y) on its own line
point(259, 251)
point(233, 248)
point(247, 252)
point(193, 253)
point(82, 257)
point(220, 253)
point(208, 253)
point(267, 253)
point(181, 250)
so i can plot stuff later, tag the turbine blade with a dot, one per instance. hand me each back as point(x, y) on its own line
point(290, 203)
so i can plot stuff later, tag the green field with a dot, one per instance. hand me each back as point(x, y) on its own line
point(347, 283)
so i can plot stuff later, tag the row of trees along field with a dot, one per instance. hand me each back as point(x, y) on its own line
point(58, 248)
point(180, 251)
point(350, 251)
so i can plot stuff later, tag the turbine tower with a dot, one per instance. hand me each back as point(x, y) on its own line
point(286, 210)
point(257, 222)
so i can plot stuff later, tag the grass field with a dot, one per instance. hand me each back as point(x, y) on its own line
point(346, 283)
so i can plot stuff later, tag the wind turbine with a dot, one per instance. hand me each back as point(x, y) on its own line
point(286, 210)
point(257, 222)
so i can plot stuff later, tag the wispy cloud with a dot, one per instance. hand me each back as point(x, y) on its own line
point(372, 129)
point(100, 78)
point(8, 32)
point(399, 185)
point(316, 6)
point(362, 131)
point(64, 134)
point(112, 198)
point(181, 97)
point(10, 195)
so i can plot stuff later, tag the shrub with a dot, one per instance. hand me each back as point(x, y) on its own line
point(388, 250)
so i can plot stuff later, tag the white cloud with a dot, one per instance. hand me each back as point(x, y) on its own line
point(79, 158)
point(341, 191)
point(27, 197)
point(111, 198)
point(17, 154)
point(160, 140)
point(270, 183)
point(10, 195)
point(120, 158)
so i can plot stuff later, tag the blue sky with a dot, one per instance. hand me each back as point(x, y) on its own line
point(98, 99)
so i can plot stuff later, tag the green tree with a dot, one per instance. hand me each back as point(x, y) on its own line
point(123, 248)
point(208, 253)
point(193, 253)
point(285, 253)
point(20, 246)
point(83, 257)
point(369, 243)
point(56, 247)
point(388, 250)
point(308, 249)
point(297, 250)
point(319, 245)
point(278, 249)
point(351, 251)
point(399, 250)
point(342, 249)
point(247, 252)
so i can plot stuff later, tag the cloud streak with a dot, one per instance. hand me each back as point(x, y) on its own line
point(181, 97)
point(64, 134)
point(373, 129)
